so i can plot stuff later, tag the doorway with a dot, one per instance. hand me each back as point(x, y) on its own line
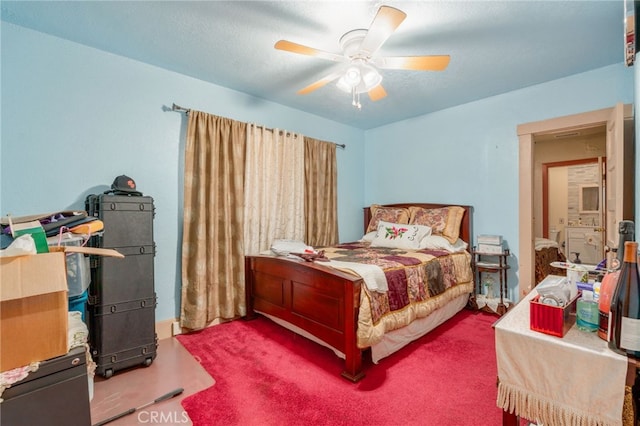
point(614, 119)
point(572, 194)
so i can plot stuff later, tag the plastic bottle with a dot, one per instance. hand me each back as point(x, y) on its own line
point(596, 288)
point(576, 274)
point(587, 312)
point(624, 317)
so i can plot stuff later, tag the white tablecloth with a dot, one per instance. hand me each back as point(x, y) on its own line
point(574, 380)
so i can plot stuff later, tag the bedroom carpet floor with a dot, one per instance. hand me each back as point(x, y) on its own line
point(173, 368)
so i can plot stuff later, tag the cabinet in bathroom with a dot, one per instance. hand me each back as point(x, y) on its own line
point(584, 243)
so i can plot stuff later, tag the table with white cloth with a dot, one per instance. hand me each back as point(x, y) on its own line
point(573, 380)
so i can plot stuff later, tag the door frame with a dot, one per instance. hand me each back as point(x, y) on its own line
point(526, 136)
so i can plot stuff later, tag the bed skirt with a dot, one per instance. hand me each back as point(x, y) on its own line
point(394, 340)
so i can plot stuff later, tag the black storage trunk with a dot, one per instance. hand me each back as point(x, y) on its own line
point(122, 299)
point(56, 394)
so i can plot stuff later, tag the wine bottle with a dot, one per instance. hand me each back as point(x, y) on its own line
point(607, 288)
point(624, 315)
point(626, 233)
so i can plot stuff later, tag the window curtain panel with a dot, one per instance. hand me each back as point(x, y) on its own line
point(321, 194)
point(212, 247)
point(274, 188)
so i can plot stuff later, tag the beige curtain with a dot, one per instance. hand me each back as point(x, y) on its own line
point(321, 193)
point(274, 188)
point(212, 247)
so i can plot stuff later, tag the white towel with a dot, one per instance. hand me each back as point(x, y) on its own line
point(373, 275)
point(542, 243)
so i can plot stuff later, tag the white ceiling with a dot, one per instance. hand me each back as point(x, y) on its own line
point(495, 46)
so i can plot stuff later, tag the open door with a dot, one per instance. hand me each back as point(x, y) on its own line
point(620, 134)
point(602, 230)
point(620, 186)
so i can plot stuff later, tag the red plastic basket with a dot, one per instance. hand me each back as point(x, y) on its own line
point(553, 320)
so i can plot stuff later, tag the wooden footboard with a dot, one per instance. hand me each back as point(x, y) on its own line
point(320, 300)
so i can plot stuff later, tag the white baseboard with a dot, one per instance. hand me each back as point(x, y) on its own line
point(171, 327)
point(166, 328)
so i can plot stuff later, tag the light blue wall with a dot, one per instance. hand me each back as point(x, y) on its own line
point(469, 154)
point(75, 117)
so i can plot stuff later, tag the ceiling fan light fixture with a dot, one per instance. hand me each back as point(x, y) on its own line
point(370, 77)
point(360, 77)
point(360, 73)
point(342, 85)
point(353, 76)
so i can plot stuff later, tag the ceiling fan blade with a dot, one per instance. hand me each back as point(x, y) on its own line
point(384, 24)
point(320, 83)
point(420, 63)
point(377, 93)
point(290, 46)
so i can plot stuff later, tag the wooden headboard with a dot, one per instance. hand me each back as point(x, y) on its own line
point(466, 227)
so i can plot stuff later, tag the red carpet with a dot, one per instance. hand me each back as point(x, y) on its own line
point(446, 378)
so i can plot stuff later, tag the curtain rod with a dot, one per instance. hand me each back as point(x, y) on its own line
point(341, 145)
point(175, 107)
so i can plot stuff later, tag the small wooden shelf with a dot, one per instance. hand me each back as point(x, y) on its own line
point(492, 263)
point(491, 305)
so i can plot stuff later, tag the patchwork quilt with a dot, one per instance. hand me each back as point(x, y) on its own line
point(418, 282)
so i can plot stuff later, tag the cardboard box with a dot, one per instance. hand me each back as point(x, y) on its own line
point(34, 306)
point(553, 320)
point(33, 309)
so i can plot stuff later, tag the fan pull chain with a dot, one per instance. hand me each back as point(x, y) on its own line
point(355, 96)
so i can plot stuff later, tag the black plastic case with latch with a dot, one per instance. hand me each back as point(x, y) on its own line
point(122, 299)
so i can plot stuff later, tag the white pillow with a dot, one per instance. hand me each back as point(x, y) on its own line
point(400, 235)
point(369, 236)
point(438, 242)
point(284, 247)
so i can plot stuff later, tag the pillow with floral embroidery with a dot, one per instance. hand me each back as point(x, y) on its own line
point(387, 214)
point(443, 221)
point(400, 235)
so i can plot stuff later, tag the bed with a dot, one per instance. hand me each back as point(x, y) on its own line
point(547, 251)
point(332, 304)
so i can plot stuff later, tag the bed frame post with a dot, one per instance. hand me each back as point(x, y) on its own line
point(248, 288)
point(353, 354)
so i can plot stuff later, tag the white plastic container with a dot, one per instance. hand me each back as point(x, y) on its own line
point(577, 274)
point(78, 272)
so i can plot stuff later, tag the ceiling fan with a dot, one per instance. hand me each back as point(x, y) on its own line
point(360, 73)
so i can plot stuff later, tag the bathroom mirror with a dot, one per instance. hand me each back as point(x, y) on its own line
point(589, 198)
